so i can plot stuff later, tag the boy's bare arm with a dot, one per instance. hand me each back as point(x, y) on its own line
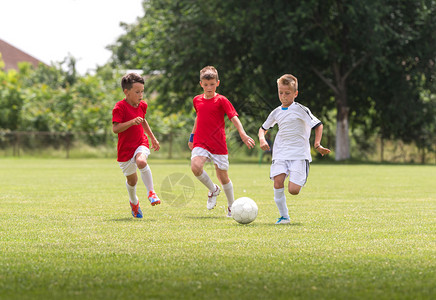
point(263, 143)
point(195, 126)
point(244, 137)
point(317, 144)
point(191, 144)
point(154, 142)
point(120, 127)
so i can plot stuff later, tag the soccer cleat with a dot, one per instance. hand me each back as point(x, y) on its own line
point(211, 201)
point(136, 210)
point(229, 212)
point(153, 198)
point(283, 220)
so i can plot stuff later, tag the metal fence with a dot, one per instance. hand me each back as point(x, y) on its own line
point(15, 142)
point(23, 143)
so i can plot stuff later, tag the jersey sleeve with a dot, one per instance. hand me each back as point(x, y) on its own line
point(144, 107)
point(228, 107)
point(117, 114)
point(194, 103)
point(308, 117)
point(313, 121)
point(270, 121)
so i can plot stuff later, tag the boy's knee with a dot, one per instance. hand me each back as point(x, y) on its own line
point(222, 175)
point(294, 190)
point(279, 185)
point(223, 178)
point(141, 161)
point(196, 169)
point(141, 164)
point(132, 181)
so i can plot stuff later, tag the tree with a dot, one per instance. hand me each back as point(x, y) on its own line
point(11, 100)
point(350, 42)
point(406, 98)
point(339, 49)
point(50, 99)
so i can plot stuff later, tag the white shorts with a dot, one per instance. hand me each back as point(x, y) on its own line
point(297, 170)
point(221, 160)
point(129, 167)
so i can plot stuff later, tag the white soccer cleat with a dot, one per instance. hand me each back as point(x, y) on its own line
point(229, 212)
point(211, 201)
point(282, 220)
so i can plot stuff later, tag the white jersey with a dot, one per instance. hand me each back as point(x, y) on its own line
point(295, 124)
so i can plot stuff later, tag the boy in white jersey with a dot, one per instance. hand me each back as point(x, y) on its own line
point(291, 149)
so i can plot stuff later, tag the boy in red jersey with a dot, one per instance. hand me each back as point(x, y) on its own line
point(208, 138)
point(128, 119)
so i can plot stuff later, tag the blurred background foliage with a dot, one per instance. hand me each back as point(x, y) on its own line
point(365, 68)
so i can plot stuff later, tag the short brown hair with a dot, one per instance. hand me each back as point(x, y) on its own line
point(209, 73)
point(290, 80)
point(129, 79)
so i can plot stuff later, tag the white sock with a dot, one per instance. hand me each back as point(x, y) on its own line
point(132, 193)
point(147, 178)
point(228, 189)
point(280, 199)
point(205, 179)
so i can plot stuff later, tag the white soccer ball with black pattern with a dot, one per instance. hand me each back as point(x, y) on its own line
point(244, 210)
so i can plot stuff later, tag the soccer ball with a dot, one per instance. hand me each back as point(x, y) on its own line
point(244, 210)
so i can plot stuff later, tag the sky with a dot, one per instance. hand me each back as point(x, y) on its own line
point(51, 30)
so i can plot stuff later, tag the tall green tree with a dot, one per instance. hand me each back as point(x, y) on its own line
point(343, 52)
point(405, 87)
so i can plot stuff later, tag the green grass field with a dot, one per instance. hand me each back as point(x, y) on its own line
point(357, 232)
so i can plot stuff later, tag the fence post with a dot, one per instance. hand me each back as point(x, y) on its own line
point(67, 142)
point(17, 144)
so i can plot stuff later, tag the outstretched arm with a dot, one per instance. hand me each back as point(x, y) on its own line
point(191, 144)
point(317, 144)
point(244, 137)
point(154, 142)
point(263, 143)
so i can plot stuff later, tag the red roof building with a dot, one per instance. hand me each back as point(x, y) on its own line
point(11, 56)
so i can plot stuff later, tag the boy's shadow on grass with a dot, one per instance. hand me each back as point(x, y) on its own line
point(259, 224)
point(130, 220)
point(203, 217)
point(254, 224)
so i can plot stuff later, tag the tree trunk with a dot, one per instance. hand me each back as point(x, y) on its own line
point(170, 146)
point(423, 155)
point(342, 138)
point(340, 90)
point(382, 149)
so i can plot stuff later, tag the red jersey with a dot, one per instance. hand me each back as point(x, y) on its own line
point(129, 140)
point(210, 132)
